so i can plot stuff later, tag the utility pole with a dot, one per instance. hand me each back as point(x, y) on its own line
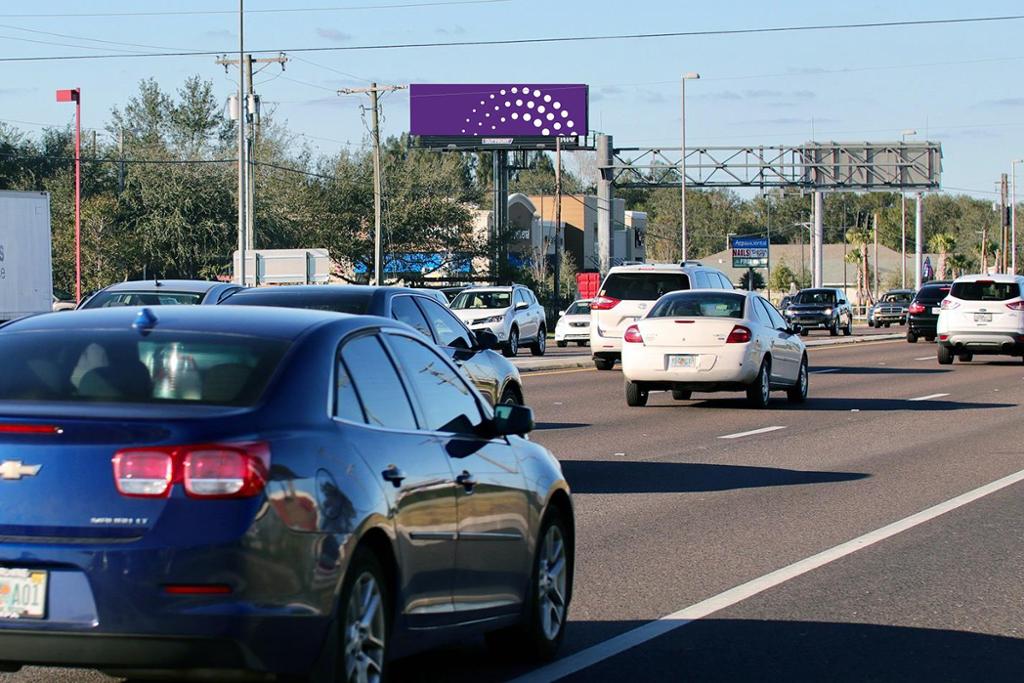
point(248, 118)
point(1004, 241)
point(378, 246)
point(558, 221)
point(877, 290)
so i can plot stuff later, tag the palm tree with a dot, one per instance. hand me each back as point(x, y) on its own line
point(860, 238)
point(943, 243)
point(958, 264)
point(854, 256)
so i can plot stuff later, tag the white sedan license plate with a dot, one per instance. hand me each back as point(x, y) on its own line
point(22, 593)
point(982, 317)
point(681, 362)
point(936, 310)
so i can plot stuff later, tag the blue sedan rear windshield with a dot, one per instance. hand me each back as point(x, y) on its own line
point(118, 367)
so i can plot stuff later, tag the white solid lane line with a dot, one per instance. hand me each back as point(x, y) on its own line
point(619, 644)
point(824, 370)
point(752, 432)
point(928, 397)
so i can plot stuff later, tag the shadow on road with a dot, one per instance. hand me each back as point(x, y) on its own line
point(540, 426)
point(873, 370)
point(863, 405)
point(735, 650)
point(748, 650)
point(603, 476)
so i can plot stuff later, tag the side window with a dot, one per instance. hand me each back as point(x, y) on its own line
point(384, 400)
point(448, 330)
point(447, 402)
point(702, 280)
point(346, 401)
point(404, 309)
point(778, 322)
point(759, 313)
point(725, 281)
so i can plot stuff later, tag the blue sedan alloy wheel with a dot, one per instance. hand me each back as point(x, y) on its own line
point(365, 629)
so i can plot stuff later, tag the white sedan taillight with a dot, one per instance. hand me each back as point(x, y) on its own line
point(632, 335)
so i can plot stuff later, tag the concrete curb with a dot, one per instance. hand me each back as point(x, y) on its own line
point(528, 365)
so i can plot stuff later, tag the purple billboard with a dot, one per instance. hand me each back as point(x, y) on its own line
point(513, 109)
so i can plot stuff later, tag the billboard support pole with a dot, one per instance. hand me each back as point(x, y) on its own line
point(918, 238)
point(819, 235)
point(558, 222)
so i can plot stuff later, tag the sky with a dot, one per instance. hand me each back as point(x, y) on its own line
point(959, 85)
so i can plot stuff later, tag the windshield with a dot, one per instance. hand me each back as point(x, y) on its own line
point(124, 367)
point(643, 286)
point(896, 298)
point(985, 290)
point(111, 299)
point(699, 305)
point(816, 296)
point(932, 293)
point(483, 300)
point(356, 302)
point(579, 308)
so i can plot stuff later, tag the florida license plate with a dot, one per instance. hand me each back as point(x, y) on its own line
point(22, 593)
point(982, 317)
point(936, 310)
point(681, 362)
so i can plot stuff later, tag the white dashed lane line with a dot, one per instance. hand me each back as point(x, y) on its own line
point(928, 397)
point(925, 358)
point(753, 432)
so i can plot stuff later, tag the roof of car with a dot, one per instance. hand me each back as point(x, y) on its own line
point(257, 321)
point(998, 277)
point(325, 291)
point(190, 286)
point(490, 288)
point(647, 267)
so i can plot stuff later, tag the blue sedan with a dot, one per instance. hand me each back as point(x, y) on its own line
point(262, 490)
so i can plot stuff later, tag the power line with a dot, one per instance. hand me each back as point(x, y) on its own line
point(277, 10)
point(550, 40)
point(91, 40)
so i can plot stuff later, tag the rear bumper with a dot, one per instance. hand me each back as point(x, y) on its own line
point(993, 343)
point(718, 366)
point(922, 326)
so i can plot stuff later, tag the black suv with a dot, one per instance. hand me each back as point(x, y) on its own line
point(923, 313)
point(820, 308)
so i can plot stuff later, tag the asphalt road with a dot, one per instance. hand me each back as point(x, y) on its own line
point(677, 528)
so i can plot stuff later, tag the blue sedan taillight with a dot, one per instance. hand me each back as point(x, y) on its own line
point(206, 470)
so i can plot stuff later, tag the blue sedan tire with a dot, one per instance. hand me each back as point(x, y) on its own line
point(538, 637)
point(364, 624)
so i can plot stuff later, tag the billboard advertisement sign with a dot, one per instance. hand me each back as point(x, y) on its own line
point(497, 111)
point(749, 252)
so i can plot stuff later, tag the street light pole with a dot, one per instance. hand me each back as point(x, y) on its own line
point(688, 76)
point(243, 185)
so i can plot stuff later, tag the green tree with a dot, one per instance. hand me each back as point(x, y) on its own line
point(752, 280)
point(781, 277)
point(943, 243)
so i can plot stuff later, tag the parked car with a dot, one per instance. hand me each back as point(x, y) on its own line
point(821, 308)
point(982, 314)
point(713, 340)
point(628, 292)
point(63, 301)
point(495, 377)
point(891, 308)
point(511, 313)
point(923, 312)
point(574, 324)
point(786, 300)
point(160, 293)
point(436, 294)
point(264, 490)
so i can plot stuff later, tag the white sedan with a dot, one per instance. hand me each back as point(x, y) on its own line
point(574, 324)
point(713, 340)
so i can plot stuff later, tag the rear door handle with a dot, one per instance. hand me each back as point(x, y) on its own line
point(466, 480)
point(394, 475)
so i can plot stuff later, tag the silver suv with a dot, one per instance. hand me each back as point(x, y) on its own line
point(512, 313)
point(629, 291)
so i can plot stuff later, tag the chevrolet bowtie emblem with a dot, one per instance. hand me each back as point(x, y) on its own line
point(15, 469)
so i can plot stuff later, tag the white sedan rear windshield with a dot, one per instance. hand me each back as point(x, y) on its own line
point(699, 305)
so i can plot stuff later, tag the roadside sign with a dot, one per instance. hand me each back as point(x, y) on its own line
point(749, 252)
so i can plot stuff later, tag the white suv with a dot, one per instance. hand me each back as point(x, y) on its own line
point(512, 313)
point(982, 314)
point(629, 291)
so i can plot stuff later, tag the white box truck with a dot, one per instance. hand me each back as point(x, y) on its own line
point(26, 273)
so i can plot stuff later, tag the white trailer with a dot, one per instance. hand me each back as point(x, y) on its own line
point(26, 272)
